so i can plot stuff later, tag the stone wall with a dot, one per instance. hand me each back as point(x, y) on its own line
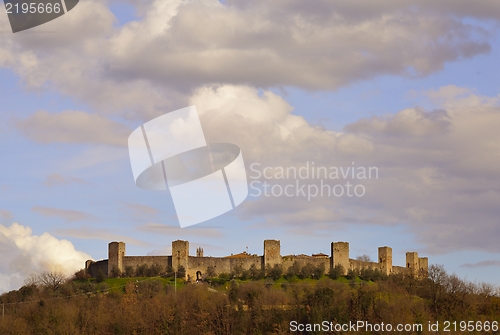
point(401, 270)
point(355, 264)
point(220, 265)
point(93, 268)
point(288, 261)
point(197, 266)
point(135, 261)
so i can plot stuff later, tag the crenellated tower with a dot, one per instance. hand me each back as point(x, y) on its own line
point(116, 253)
point(340, 255)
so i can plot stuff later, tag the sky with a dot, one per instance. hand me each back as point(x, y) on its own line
point(410, 88)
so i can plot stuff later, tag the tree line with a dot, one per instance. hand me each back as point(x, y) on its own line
point(265, 306)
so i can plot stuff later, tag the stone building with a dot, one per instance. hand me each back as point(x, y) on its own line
point(196, 266)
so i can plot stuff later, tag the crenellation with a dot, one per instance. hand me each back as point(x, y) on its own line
point(412, 263)
point(116, 252)
point(423, 264)
point(340, 256)
point(272, 254)
point(180, 255)
point(385, 259)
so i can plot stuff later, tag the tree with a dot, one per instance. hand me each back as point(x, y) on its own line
point(256, 273)
point(275, 272)
point(154, 270)
point(352, 274)
point(115, 272)
point(141, 270)
point(364, 258)
point(437, 278)
point(32, 280)
point(52, 280)
point(211, 272)
point(129, 271)
point(100, 276)
point(318, 271)
point(336, 272)
point(81, 275)
point(181, 272)
point(169, 272)
point(306, 271)
point(237, 271)
point(293, 270)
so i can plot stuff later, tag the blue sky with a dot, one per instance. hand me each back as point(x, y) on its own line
point(68, 99)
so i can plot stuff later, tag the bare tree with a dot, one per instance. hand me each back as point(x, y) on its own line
point(364, 258)
point(52, 280)
point(32, 280)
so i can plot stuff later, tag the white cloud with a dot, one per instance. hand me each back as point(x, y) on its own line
point(24, 253)
point(151, 65)
point(319, 46)
point(439, 171)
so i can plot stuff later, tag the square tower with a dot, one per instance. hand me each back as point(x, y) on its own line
point(412, 263)
point(272, 253)
point(423, 264)
point(385, 259)
point(180, 254)
point(116, 252)
point(340, 256)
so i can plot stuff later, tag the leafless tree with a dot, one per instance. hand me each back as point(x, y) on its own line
point(32, 280)
point(364, 258)
point(52, 280)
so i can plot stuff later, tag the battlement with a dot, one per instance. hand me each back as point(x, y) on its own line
point(198, 266)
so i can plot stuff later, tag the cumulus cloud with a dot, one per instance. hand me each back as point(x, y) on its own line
point(262, 125)
point(24, 254)
point(152, 64)
point(438, 169)
point(288, 43)
point(68, 215)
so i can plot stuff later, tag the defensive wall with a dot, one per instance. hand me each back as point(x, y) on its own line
point(197, 266)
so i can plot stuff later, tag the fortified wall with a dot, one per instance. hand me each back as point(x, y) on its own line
point(197, 266)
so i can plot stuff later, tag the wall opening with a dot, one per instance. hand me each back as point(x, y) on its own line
point(198, 276)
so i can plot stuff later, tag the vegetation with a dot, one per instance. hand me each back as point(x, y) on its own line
point(266, 305)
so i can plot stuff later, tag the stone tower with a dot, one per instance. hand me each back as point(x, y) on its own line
point(272, 253)
point(340, 255)
point(199, 252)
point(385, 259)
point(180, 254)
point(423, 264)
point(412, 263)
point(116, 252)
